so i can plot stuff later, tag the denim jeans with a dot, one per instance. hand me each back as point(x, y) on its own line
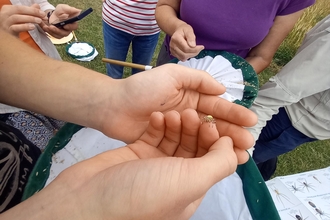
point(276, 138)
point(116, 45)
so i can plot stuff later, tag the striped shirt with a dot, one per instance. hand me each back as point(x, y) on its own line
point(136, 17)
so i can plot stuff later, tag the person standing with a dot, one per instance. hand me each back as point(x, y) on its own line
point(293, 107)
point(252, 30)
point(17, 18)
point(126, 22)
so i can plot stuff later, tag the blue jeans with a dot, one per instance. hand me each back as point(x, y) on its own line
point(116, 44)
point(276, 138)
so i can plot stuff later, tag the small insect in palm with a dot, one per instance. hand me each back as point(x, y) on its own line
point(208, 119)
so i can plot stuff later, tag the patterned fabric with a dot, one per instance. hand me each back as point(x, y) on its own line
point(36, 128)
point(17, 159)
point(133, 17)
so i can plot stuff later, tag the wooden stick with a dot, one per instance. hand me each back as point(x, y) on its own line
point(127, 64)
point(74, 35)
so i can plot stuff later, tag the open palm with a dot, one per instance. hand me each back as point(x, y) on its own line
point(178, 88)
point(143, 181)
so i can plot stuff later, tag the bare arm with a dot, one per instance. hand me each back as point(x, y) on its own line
point(183, 39)
point(261, 55)
point(69, 92)
point(38, 83)
point(167, 15)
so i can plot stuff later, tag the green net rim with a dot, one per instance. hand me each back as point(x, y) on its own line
point(76, 56)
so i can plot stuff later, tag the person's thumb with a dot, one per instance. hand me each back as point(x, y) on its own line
point(218, 163)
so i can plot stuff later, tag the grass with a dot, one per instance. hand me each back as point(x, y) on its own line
point(307, 157)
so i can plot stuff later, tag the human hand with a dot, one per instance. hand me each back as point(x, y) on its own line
point(61, 12)
point(171, 87)
point(183, 43)
point(18, 18)
point(140, 181)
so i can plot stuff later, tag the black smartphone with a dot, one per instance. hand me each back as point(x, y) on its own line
point(74, 19)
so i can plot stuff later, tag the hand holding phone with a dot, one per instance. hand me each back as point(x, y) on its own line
point(74, 19)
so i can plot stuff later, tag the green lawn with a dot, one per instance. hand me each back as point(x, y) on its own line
point(307, 157)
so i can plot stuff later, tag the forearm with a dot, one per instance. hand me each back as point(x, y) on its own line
point(258, 63)
point(65, 91)
point(262, 54)
point(52, 203)
point(167, 16)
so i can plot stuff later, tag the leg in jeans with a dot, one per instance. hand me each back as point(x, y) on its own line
point(276, 138)
point(143, 48)
point(267, 168)
point(116, 45)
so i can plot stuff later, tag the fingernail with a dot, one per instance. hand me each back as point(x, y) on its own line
point(42, 13)
point(37, 20)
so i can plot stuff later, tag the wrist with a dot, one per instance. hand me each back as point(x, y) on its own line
point(50, 203)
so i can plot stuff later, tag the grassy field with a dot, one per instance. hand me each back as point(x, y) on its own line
point(309, 156)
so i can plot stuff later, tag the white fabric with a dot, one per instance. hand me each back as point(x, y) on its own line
point(296, 194)
point(225, 200)
point(84, 50)
point(8, 109)
point(221, 70)
point(85, 144)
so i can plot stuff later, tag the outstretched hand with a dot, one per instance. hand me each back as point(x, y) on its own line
point(156, 177)
point(172, 87)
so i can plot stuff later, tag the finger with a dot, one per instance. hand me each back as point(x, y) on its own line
point(71, 27)
point(23, 10)
point(17, 28)
point(183, 56)
point(146, 145)
point(66, 9)
point(208, 134)
point(56, 32)
point(181, 46)
point(172, 137)
point(242, 155)
point(214, 166)
point(23, 19)
point(155, 130)
point(37, 6)
point(190, 36)
point(193, 79)
point(228, 111)
point(242, 138)
point(189, 136)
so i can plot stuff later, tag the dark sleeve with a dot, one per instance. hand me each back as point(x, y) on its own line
point(17, 158)
point(295, 5)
